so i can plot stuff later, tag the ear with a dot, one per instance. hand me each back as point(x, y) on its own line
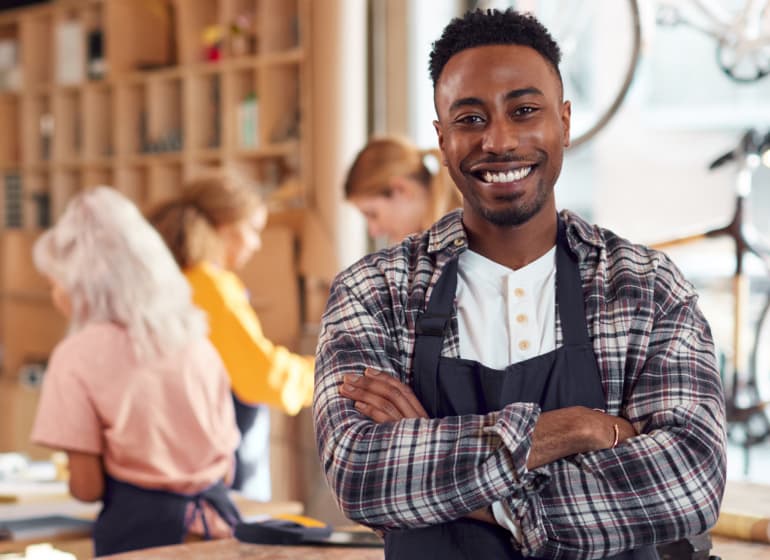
point(566, 116)
point(440, 136)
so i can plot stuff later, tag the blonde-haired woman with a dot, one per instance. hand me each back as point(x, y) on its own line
point(135, 394)
point(399, 188)
point(212, 228)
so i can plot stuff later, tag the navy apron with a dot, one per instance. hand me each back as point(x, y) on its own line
point(567, 376)
point(133, 518)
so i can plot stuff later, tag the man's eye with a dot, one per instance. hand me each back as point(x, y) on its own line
point(523, 111)
point(470, 119)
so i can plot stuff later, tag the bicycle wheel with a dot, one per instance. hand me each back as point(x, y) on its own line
point(600, 42)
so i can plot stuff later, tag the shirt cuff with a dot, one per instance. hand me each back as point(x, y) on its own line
point(505, 518)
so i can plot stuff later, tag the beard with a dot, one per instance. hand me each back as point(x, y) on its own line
point(515, 213)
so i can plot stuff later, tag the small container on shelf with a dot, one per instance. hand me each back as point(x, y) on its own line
point(70, 49)
point(36, 212)
point(248, 122)
point(10, 71)
point(13, 199)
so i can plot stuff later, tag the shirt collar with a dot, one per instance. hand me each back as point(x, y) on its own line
point(449, 234)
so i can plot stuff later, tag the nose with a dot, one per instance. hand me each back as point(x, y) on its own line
point(500, 136)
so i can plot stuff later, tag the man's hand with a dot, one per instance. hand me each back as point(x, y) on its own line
point(382, 397)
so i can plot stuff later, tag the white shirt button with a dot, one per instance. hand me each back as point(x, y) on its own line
point(519, 292)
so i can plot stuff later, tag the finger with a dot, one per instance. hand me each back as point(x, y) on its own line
point(364, 395)
point(374, 413)
point(399, 393)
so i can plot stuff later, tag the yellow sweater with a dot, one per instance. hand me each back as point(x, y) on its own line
point(260, 371)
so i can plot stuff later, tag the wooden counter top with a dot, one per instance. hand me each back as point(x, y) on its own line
point(231, 549)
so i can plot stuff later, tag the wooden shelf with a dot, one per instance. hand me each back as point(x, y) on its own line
point(287, 148)
point(71, 124)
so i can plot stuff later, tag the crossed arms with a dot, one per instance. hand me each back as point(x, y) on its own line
point(553, 471)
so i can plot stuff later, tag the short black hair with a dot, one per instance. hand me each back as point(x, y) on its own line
point(492, 27)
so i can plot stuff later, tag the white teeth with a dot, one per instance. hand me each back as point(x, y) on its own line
point(506, 177)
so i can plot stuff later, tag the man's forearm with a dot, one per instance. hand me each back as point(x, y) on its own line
point(577, 429)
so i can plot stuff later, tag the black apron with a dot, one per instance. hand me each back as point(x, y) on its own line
point(133, 518)
point(567, 376)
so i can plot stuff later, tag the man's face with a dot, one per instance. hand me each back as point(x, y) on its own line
point(502, 128)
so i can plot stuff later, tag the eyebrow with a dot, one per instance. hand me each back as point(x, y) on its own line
point(475, 101)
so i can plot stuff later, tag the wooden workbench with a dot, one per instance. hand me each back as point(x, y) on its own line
point(81, 545)
point(231, 549)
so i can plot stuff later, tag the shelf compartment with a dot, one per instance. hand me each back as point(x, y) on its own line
point(131, 180)
point(66, 183)
point(277, 25)
point(239, 18)
point(10, 116)
point(12, 198)
point(97, 113)
point(164, 117)
point(203, 110)
point(68, 124)
point(69, 48)
point(140, 34)
point(191, 22)
point(244, 111)
point(279, 100)
point(36, 199)
point(164, 181)
point(36, 34)
point(37, 134)
point(130, 112)
point(10, 69)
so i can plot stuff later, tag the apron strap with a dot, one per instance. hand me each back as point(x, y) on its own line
point(429, 337)
point(568, 283)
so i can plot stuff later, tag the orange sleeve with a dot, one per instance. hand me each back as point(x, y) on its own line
point(260, 372)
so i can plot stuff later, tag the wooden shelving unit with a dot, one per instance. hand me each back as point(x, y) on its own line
point(153, 112)
point(144, 130)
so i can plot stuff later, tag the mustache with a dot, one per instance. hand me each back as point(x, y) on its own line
point(503, 158)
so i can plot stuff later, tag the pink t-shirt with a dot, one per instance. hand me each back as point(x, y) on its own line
point(167, 424)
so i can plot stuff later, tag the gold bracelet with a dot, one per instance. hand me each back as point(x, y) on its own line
point(617, 436)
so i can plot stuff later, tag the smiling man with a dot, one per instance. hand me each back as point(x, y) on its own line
point(533, 385)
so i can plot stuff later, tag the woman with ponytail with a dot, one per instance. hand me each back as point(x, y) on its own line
point(213, 228)
point(400, 188)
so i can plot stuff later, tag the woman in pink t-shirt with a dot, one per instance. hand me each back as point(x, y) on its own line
point(135, 394)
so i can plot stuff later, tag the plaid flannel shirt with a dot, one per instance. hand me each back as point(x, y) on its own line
point(656, 360)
